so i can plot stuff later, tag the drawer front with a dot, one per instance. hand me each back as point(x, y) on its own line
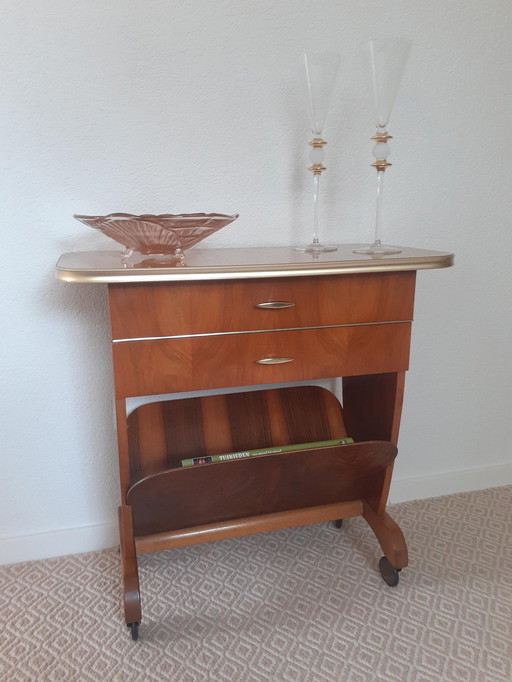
point(193, 363)
point(183, 308)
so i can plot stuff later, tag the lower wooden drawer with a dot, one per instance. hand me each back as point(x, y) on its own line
point(196, 363)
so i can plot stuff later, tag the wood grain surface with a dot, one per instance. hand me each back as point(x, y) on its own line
point(198, 363)
point(185, 308)
point(161, 434)
point(265, 484)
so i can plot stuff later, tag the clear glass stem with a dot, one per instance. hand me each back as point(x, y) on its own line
point(316, 207)
point(377, 249)
point(316, 247)
point(378, 211)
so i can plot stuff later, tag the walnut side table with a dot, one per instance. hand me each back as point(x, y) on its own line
point(248, 317)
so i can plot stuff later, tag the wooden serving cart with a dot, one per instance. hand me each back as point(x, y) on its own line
point(234, 318)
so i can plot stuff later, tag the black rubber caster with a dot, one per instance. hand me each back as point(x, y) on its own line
point(134, 630)
point(338, 523)
point(389, 573)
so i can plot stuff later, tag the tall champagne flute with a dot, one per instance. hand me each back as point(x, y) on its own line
point(384, 61)
point(318, 73)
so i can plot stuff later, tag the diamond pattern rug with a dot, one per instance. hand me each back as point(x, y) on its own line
point(298, 605)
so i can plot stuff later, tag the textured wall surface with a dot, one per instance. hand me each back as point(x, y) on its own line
point(179, 107)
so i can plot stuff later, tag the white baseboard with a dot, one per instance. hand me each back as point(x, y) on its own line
point(466, 480)
point(92, 538)
point(104, 535)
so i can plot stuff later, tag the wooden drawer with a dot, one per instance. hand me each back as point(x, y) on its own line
point(193, 363)
point(185, 308)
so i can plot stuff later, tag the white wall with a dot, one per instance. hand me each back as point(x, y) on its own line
point(164, 106)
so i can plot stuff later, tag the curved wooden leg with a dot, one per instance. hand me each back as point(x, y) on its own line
point(389, 535)
point(129, 570)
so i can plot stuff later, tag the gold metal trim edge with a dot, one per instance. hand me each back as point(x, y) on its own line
point(252, 271)
point(257, 331)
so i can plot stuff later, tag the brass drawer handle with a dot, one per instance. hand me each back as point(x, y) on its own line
point(274, 361)
point(275, 305)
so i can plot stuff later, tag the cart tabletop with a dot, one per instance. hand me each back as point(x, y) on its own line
point(237, 263)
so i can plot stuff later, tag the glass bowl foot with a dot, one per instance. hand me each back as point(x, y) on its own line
point(133, 259)
point(316, 247)
point(378, 250)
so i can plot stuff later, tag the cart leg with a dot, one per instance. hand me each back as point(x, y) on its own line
point(129, 572)
point(389, 536)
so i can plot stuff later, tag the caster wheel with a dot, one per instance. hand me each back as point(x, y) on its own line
point(134, 629)
point(338, 523)
point(388, 572)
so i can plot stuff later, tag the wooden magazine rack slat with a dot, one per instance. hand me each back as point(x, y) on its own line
point(263, 484)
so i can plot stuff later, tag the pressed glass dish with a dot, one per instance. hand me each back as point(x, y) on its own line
point(161, 237)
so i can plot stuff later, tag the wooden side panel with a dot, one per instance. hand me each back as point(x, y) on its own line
point(182, 498)
point(166, 309)
point(372, 405)
point(174, 365)
point(129, 569)
point(161, 434)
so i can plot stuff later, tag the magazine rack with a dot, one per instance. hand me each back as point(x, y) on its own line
point(242, 318)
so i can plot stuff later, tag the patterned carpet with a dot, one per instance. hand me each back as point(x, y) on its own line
point(298, 605)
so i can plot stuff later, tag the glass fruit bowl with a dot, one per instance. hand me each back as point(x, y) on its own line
point(163, 238)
